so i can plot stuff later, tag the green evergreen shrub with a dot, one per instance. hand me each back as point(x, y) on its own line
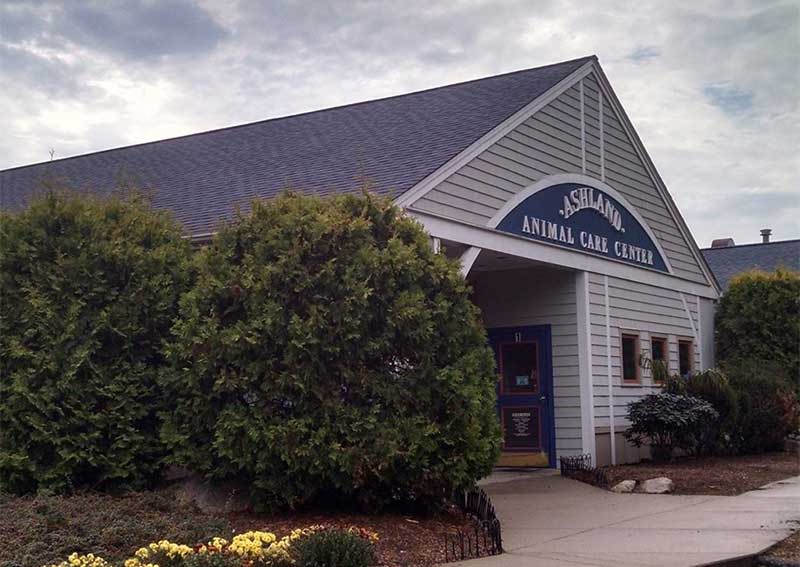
point(327, 352)
point(89, 290)
point(714, 387)
point(333, 548)
point(669, 421)
point(768, 408)
point(759, 320)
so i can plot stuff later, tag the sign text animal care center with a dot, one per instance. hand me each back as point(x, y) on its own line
point(584, 218)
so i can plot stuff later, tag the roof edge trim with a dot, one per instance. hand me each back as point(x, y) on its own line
point(650, 167)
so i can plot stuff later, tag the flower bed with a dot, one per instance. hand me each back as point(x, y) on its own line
point(314, 545)
point(47, 529)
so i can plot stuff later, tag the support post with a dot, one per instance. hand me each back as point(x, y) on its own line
point(585, 364)
point(611, 419)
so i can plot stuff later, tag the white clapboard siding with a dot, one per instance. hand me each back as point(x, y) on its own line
point(541, 297)
point(647, 311)
point(548, 143)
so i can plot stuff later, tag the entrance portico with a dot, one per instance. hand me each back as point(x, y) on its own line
point(574, 291)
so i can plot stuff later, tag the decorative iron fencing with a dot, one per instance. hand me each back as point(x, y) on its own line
point(486, 539)
point(580, 468)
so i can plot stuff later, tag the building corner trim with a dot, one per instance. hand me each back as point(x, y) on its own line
point(588, 442)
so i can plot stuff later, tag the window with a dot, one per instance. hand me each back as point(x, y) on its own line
point(630, 358)
point(518, 362)
point(658, 356)
point(684, 356)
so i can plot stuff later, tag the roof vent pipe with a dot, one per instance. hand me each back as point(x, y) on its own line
point(765, 234)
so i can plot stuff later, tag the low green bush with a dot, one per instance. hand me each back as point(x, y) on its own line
point(669, 421)
point(714, 387)
point(334, 548)
point(46, 529)
point(768, 407)
point(89, 290)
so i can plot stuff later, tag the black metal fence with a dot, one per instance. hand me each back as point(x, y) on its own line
point(486, 539)
point(580, 467)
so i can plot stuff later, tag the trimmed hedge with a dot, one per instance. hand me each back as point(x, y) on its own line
point(327, 353)
point(759, 320)
point(89, 291)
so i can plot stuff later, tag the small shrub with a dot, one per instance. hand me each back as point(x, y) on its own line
point(768, 408)
point(714, 387)
point(334, 548)
point(667, 422)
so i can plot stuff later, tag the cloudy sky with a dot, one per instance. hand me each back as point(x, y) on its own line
point(712, 86)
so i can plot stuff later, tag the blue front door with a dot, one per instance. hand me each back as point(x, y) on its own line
point(525, 395)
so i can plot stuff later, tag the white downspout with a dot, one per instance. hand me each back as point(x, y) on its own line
point(611, 418)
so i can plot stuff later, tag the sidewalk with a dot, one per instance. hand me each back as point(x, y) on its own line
point(553, 521)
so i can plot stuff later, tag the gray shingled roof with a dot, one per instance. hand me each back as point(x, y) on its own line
point(730, 261)
point(394, 142)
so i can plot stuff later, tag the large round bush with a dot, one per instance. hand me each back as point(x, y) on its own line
point(326, 351)
point(89, 291)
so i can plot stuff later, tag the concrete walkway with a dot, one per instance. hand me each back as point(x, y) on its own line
point(553, 521)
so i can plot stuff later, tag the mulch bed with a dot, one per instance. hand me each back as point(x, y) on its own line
point(723, 476)
point(404, 540)
point(36, 531)
point(786, 551)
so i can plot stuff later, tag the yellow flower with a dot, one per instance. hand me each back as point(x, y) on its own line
point(252, 544)
point(89, 560)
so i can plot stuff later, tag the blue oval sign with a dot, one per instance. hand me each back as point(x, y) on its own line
point(584, 218)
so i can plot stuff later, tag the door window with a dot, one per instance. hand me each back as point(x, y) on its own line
point(519, 367)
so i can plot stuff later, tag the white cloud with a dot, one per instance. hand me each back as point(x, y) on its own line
point(711, 87)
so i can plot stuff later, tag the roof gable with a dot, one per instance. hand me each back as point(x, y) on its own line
point(394, 143)
point(579, 128)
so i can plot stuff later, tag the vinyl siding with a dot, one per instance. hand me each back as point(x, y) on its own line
point(541, 297)
point(548, 143)
point(644, 310)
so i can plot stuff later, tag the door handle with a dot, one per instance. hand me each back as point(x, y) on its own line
point(542, 398)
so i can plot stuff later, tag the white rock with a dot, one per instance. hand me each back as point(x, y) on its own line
point(624, 486)
point(660, 485)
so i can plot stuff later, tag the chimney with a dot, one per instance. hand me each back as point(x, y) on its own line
point(722, 243)
point(765, 234)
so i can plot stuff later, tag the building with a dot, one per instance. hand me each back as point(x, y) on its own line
point(580, 261)
point(727, 259)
